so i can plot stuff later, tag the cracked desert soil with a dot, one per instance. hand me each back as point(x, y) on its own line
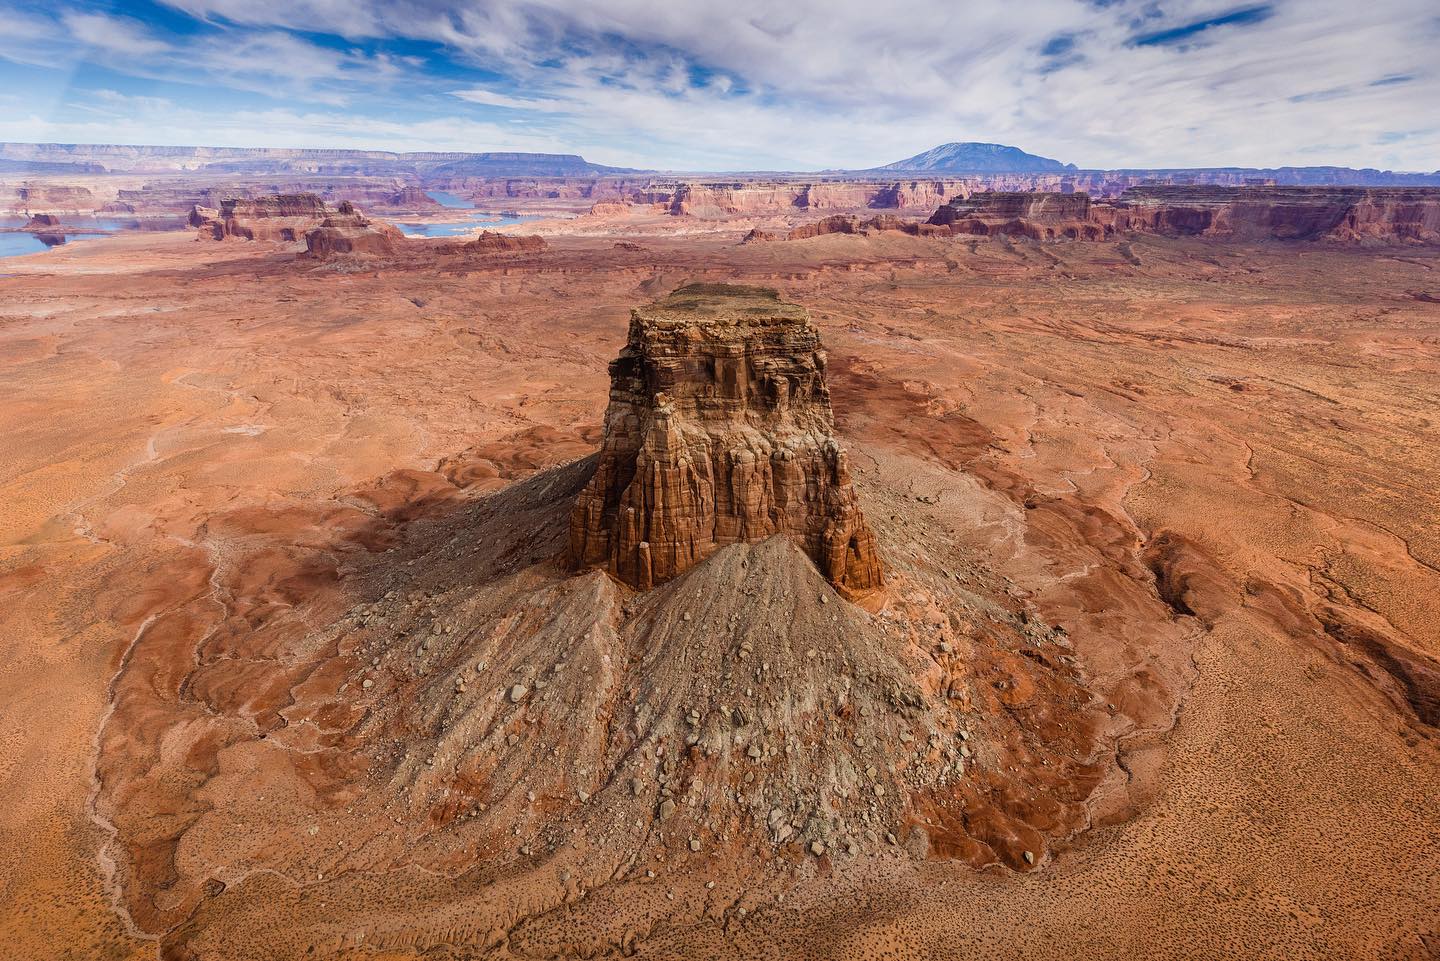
point(1217, 467)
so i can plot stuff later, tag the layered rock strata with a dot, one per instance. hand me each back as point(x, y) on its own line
point(291, 218)
point(1382, 215)
point(490, 242)
point(348, 231)
point(1337, 214)
point(719, 431)
point(282, 217)
point(1039, 216)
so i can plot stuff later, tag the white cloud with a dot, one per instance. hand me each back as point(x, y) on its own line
point(170, 124)
point(819, 83)
point(113, 34)
point(490, 98)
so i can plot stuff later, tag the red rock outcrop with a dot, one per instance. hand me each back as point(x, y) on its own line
point(780, 197)
point(282, 217)
point(1336, 214)
point(838, 224)
point(490, 242)
point(849, 224)
point(1039, 216)
point(42, 222)
point(55, 196)
point(411, 198)
point(348, 231)
point(1397, 215)
point(719, 431)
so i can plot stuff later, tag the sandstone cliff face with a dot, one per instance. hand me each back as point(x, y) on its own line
point(1038, 216)
point(348, 231)
point(849, 224)
point(1252, 213)
point(282, 217)
point(758, 197)
point(719, 431)
point(55, 196)
point(490, 242)
point(288, 218)
point(1336, 214)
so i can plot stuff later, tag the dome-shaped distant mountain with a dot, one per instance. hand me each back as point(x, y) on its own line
point(976, 158)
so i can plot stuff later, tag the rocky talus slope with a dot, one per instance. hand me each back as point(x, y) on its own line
point(719, 431)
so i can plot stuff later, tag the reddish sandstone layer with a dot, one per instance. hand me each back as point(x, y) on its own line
point(1343, 214)
point(490, 242)
point(719, 431)
point(292, 217)
point(283, 217)
point(849, 224)
point(1039, 216)
point(350, 232)
point(1332, 214)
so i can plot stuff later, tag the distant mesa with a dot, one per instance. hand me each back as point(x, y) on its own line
point(955, 158)
point(1006, 167)
point(609, 208)
point(1038, 216)
point(490, 242)
point(290, 218)
point(719, 431)
point(1377, 215)
point(54, 196)
point(517, 165)
point(849, 224)
point(347, 231)
point(1340, 215)
point(278, 217)
point(1373, 215)
point(51, 158)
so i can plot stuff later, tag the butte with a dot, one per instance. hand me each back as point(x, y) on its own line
point(720, 431)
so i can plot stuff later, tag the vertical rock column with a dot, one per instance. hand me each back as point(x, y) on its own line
point(719, 431)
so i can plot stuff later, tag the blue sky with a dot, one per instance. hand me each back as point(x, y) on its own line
point(749, 84)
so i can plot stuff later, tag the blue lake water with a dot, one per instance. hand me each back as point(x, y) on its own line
point(84, 224)
point(459, 228)
point(74, 228)
point(450, 200)
point(13, 245)
point(16, 245)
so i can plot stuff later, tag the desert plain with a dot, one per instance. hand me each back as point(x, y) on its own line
point(1178, 497)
